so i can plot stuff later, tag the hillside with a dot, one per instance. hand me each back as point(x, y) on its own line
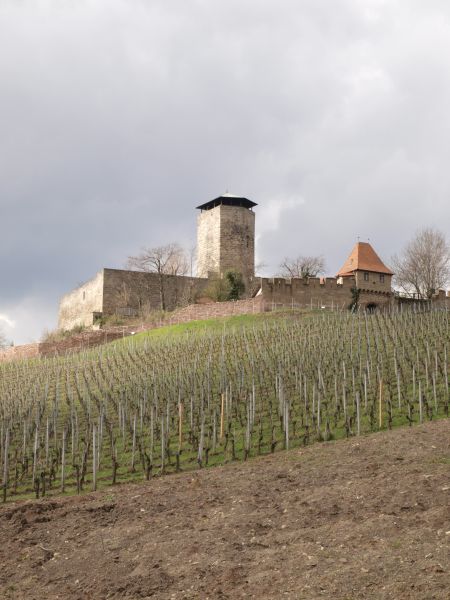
point(197, 395)
point(354, 519)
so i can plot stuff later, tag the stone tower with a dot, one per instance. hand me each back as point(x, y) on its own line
point(226, 237)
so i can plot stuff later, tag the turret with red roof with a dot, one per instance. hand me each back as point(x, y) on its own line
point(368, 269)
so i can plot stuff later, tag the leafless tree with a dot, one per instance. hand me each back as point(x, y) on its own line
point(424, 265)
point(302, 266)
point(163, 260)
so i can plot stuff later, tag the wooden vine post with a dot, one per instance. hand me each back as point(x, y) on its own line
point(5, 465)
point(380, 405)
point(222, 414)
point(94, 466)
point(180, 425)
point(63, 460)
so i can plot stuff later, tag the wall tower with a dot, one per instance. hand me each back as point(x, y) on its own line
point(226, 237)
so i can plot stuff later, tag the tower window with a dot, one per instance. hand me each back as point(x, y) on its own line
point(381, 278)
point(366, 276)
point(84, 295)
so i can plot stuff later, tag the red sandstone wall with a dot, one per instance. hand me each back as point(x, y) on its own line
point(18, 352)
point(198, 312)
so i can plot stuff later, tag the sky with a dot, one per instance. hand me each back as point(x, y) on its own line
point(119, 117)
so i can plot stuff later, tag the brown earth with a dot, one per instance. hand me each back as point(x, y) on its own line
point(363, 518)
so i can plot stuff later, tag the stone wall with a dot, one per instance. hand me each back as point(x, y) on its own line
point(225, 241)
point(77, 307)
point(130, 292)
point(199, 312)
point(74, 343)
point(18, 352)
point(127, 293)
point(317, 292)
point(442, 299)
point(84, 340)
point(311, 292)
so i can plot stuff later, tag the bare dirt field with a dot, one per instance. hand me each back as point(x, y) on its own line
point(362, 518)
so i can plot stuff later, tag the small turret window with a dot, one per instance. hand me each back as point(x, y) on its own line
point(366, 276)
point(381, 278)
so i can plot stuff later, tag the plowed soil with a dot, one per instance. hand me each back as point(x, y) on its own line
point(362, 518)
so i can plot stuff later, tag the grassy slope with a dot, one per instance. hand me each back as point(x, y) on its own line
point(218, 324)
point(175, 334)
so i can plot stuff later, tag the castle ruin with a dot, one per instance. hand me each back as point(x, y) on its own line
point(226, 241)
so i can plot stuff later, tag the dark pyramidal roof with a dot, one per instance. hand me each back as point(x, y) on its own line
point(228, 200)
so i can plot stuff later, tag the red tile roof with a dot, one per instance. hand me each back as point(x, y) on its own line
point(363, 258)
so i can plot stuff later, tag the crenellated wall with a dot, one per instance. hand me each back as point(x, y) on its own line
point(313, 292)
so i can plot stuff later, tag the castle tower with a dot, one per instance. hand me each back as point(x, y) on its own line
point(369, 271)
point(226, 237)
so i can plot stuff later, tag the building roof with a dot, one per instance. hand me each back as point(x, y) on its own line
point(228, 200)
point(363, 258)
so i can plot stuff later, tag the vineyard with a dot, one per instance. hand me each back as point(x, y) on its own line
point(147, 405)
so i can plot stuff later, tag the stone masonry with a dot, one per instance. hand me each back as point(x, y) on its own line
point(226, 241)
point(125, 293)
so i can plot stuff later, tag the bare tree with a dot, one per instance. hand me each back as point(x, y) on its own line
point(163, 260)
point(424, 265)
point(302, 266)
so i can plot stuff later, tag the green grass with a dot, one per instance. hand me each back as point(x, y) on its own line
point(218, 324)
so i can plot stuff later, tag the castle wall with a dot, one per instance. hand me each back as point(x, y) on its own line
point(226, 241)
point(77, 307)
point(308, 292)
point(441, 299)
point(130, 292)
point(375, 298)
point(329, 292)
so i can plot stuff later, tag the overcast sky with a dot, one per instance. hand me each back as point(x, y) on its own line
point(118, 117)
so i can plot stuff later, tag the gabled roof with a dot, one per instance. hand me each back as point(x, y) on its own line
point(363, 258)
point(228, 200)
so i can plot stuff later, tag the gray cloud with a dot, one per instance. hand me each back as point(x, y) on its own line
point(118, 117)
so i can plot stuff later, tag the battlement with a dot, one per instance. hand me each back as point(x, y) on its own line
point(327, 292)
point(310, 282)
